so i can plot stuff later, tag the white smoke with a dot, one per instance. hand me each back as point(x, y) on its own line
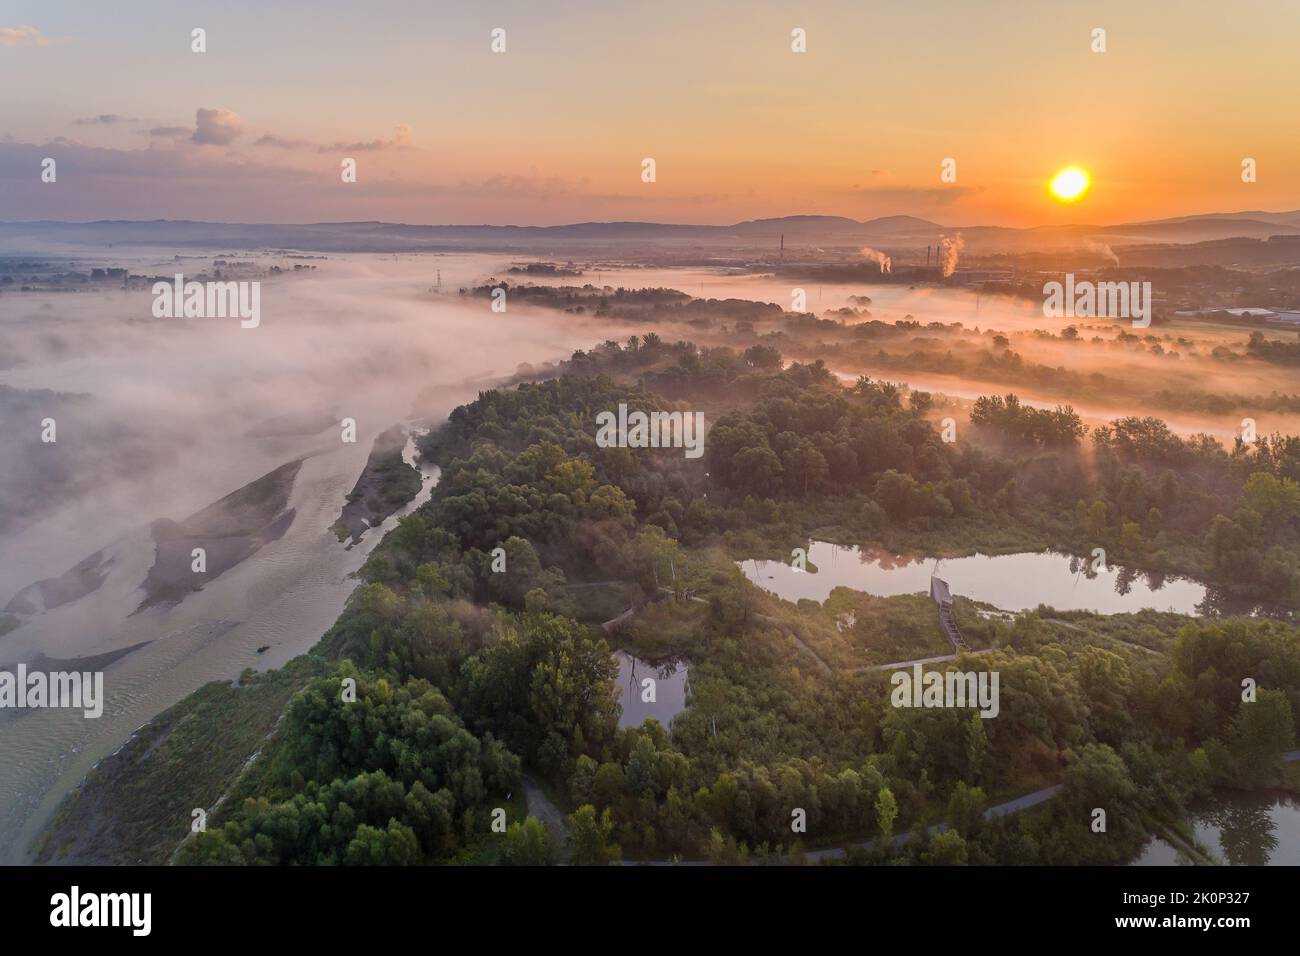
point(950, 248)
point(1092, 245)
point(875, 255)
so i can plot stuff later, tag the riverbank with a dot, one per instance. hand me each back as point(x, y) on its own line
point(386, 484)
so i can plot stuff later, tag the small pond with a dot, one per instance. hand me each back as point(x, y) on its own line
point(669, 687)
point(1012, 582)
point(1241, 828)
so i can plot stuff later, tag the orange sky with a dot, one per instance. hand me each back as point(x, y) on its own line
point(554, 129)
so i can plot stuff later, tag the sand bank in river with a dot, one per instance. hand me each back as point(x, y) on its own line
point(229, 531)
point(386, 484)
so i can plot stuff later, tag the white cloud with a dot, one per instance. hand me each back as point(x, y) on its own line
point(217, 127)
point(401, 140)
point(22, 36)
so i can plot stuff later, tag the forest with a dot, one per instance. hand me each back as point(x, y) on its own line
point(470, 664)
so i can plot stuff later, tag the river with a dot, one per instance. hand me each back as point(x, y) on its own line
point(200, 406)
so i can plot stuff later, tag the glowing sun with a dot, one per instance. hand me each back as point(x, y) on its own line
point(1070, 184)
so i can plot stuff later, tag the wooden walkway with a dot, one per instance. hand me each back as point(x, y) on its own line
point(950, 629)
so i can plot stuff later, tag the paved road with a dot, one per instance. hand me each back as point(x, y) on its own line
point(1023, 803)
point(920, 660)
point(1001, 810)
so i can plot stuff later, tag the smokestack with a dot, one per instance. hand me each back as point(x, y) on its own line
point(927, 257)
point(783, 247)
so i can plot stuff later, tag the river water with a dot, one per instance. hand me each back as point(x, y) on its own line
point(362, 337)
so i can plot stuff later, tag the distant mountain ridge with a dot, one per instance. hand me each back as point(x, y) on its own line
point(898, 231)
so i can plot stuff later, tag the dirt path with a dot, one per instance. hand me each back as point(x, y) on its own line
point(826, 668)
point(541, 807)
point(1082, 630)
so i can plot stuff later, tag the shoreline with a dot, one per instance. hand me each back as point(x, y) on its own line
point(192, 673)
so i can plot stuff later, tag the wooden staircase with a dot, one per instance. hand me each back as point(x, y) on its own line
point(950, 629)
point(943, 598)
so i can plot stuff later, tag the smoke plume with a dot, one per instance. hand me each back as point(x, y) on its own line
point(950, 248)
point(1092, 245)
point(875, 255)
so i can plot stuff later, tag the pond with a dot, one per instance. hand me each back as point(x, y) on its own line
point(1250, 828)
point(669, 690)
point(1012, 582)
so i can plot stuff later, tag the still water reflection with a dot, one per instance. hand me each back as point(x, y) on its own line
point(669, 690)
point(1013, 582)
point(1240, 829)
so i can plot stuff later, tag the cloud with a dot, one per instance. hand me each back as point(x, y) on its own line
point(168, 131)
point(280, 142)
point(174, 178)
point(156, 181)
point(532, 185)
point(216, 127)
point(104, 119)
point(401, 140)
point(22, 36)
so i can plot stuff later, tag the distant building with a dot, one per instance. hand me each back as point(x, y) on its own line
point(973, 277)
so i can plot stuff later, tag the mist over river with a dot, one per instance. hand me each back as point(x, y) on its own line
point(159, 418)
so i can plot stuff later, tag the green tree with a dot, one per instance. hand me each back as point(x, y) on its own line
point(886, 814)
point(1098, 778)
point(966, 809)
point(642, 774)
point(1276, 500)
point(946, 849)
point(589, 837)
point(1261, 732)
point(528, 844)
point(977, 745)
point(395, 846)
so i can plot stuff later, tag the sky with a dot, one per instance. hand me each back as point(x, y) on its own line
point(556, 128)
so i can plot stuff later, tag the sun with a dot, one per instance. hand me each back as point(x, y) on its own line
point(1070, 184)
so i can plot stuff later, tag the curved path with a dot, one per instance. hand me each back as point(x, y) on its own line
point(541, 807)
